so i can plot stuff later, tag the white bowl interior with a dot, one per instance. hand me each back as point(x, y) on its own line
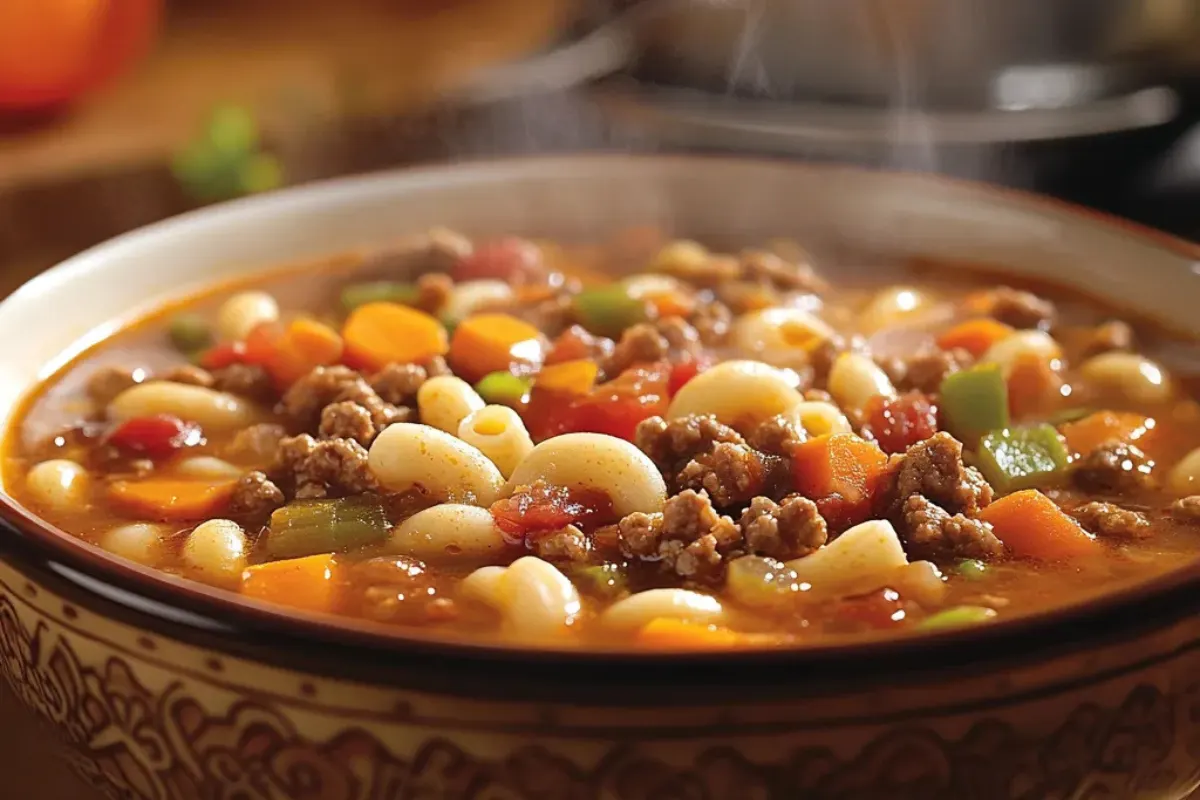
point(747, 201)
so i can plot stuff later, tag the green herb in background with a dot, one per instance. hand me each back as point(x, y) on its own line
point(225, 160)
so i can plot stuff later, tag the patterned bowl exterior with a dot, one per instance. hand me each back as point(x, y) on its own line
point(152, 717)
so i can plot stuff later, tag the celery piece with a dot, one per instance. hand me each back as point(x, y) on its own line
point(1022, 458)
point(974, 401)
point(503, 388)
point(309, 527)
point(190, 333)
point(957, 617)
point(609, 310)
point(762, 582)
point(359, 294)
point(605, 581)
point(971, 569)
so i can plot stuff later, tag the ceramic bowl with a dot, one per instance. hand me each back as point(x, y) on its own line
point(161, 690)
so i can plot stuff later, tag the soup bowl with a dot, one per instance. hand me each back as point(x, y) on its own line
point(161, 689)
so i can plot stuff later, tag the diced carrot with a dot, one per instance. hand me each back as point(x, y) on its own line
point(1031, 525)
point(671, 304)
point(485, 343)
point(575, 378)
point(378, 334)
point(1085, 435)
point(975, 336)
point(305, 344)
point(171, 500)
point(675, 634)
point(841, 472)
point(1032, 385)
point(528, 295)
point(303, 583)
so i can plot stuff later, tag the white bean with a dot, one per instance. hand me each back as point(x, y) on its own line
point(862, 558)
point(1137, 379)
point(217, 550)
point(205, 407)
point(445, 401)
point(738, 393)
point(406, 454)
point(1020, 345)
point(208, 467)
point(244, 312)
point(449, 532)
point(140, 542)
point(642, 608)
point(599, 462)
point(60, 484)
point(854, 379)
point(470, 296)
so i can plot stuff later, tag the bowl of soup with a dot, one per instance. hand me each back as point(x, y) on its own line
point(614, 477)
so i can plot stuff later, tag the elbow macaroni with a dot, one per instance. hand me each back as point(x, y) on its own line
point(738, 393)
point(781, 336)
point(449, 531)
point(205, 407)
point(534, 599)
point(406, 454)
point(1138, 379)
point(862, 558)
point(818, 418)
point(499, 434)
point(470, 296)
point(642, 608)
point(854, 379)
point(595, 461)
point(445, 401)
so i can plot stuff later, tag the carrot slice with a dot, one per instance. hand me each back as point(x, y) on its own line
point(303, 583)
point(171, 500)
point(841, 472)
point(975, 336)
point(305, 345)
point(1031, 525)
point(575, 378)
point(671, 304)
point(378, 334)
point(1085, 435)
point(485, 343)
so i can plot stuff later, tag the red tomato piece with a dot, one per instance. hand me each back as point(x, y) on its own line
point(223, 355)
point(543, 508)
point(508, 259)
point(684, 371)
point(155, 437)
point(614, 408)
point(898, 422)
point(575, 343)
point(258, 348)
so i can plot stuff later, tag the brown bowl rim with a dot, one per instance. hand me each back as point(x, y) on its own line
point(228, 621)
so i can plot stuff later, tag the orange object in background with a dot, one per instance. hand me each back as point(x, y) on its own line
point(53, 51)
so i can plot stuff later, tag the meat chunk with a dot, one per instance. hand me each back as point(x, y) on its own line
point(924, 371)
point(672, 444)
point(246, 380)
point(347, 420)
point(1186, 509)
point(639, 344)
point(729, 473)
point(712, 322)
point(306, 398)
point(1113, 522)
point(190, 375)
point(331, 467)
point(433, 291)
point(1020, 309)
point(382, 414)
point(1113, 467)
point(258, 443)
point(779, 436)
point(1107, 337)
point(108, 382)
point(437, 367)
point(566, 544)
point(934, 468)
point(398, 384)
point(399, 589)
point(785, 530)
point(435, 251)
point(689, 538)
point(256, 495)
point(928, 531)
point(784, 274)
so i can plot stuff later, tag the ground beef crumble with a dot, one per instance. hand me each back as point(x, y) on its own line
point(1113, 467)
point(433, 291)
point(1112, 521)
point(779, 436)
point(934, 468)
point(671, 338)
point(1020, 309)
point(398, 384)
point(928, 531)
point(347, 420)
point(1108, 337)
point(247, 380)
point(306, 398)
point(255, 495)
point(731, 474)
point(925, 370)
point(672, 444)
point(712, 321)
point(789, 529)
point(332, 467)
point(689, 537)
point(107, 382)
point(258, 443)
point(190, 375)
point(792, 276)
point(568, 544)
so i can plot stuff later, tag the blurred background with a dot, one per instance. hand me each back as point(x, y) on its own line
point(117, 113)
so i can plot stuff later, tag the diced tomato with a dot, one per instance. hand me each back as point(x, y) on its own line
point(898, 422)
point(878, 610)
point(575, 343)
point(614, 408)
point(541, 508)
point(684, 371)
point(155, 437)
point(508, 259)
point(223, 355)
point(258, 348)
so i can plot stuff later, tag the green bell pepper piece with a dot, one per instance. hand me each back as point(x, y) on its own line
point(609, 310)
point(957, 617)
point(1022, 458)
point(190, 333)
point(359, 294)
point(974, 401)
point(503, 388)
